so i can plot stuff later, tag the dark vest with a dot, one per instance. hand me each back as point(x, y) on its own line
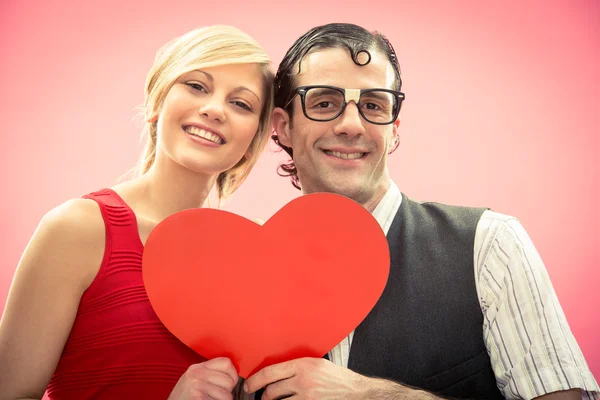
point(426, 329)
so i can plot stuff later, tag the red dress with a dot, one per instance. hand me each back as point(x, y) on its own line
point(118, 348)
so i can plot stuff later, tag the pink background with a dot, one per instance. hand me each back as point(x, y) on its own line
point(502, 110)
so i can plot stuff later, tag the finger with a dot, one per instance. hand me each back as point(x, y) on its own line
point(223, 364)
point(280, 390)
point(270, 374)
point(216, 392)
point(218, 378)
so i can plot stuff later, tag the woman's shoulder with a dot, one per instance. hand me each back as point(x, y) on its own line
point(71, 237)
point(74, 218)
point(76, 222)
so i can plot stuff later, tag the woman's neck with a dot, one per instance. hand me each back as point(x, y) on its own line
point(168, 188)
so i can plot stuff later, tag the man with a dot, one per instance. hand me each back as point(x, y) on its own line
point(468, 310)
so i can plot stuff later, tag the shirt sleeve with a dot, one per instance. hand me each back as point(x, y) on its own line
point(532, 349)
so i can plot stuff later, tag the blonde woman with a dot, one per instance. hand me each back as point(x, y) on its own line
point(77, 320)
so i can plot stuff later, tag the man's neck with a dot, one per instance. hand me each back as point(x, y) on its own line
point(372, 203)
point(367, 200)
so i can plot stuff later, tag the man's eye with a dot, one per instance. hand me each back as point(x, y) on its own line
point(323, 104)
point(372, 106)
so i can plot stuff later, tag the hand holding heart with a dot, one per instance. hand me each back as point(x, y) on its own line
point(307, 378)
point(212, 379)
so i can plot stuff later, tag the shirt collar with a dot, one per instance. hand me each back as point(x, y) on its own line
point(387, 208)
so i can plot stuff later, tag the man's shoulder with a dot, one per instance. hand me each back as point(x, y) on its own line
point(432, 216)
point(486, 212)
point(497, 216)
point(444, 208)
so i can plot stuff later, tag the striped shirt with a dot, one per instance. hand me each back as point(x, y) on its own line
point(531, 347)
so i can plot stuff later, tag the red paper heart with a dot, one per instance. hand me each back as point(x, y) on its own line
point(294, 287)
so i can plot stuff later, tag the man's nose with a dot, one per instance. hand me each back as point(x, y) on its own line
point(350, 121)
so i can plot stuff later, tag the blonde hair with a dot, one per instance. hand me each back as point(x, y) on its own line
point(204, 48)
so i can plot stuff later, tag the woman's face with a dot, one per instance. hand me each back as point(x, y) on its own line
point(210, 116)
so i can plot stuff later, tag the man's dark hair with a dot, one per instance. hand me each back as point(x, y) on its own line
point(356, 39)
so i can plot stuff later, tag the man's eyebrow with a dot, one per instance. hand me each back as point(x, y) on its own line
point(320, 90)
point(379, 95)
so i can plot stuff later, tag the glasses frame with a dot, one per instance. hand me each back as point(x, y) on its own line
point(349, 95)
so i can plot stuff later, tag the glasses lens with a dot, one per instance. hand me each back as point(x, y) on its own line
point(378, 106)
point(323, 104)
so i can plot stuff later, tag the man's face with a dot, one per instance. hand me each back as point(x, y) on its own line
point(347, 155)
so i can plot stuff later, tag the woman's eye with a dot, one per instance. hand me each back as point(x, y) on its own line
point(196, 86)
point(243, 105)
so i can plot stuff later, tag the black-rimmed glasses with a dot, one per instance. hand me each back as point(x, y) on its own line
point(326, 103)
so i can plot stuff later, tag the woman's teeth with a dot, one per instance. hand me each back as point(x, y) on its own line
point(192, 130)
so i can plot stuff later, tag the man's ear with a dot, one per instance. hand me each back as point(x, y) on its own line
point(281, 125)
point(395, 135)
point(396, 128)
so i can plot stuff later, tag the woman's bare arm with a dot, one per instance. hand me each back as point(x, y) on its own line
point(59, 263)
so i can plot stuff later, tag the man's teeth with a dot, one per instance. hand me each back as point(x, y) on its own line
point(192, 130)
point(345, 156)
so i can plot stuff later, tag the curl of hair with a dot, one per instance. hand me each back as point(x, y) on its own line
point(200, 48)
point(356, 39)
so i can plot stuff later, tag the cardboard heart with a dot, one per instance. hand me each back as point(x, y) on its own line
point(293, 287)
